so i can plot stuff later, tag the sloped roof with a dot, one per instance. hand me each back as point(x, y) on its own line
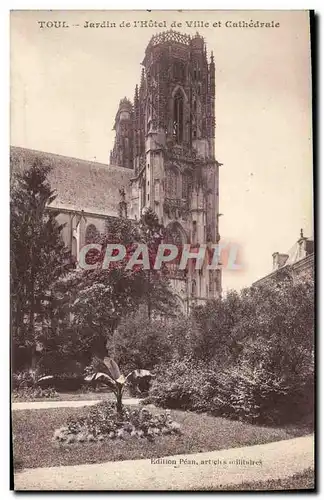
point(80, 184)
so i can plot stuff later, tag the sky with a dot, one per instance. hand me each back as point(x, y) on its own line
point(66, 84)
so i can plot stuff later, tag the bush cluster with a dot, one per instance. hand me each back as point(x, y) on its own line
point(186, 384)
point(23, 379)
point(31, 393)
point(104, 423)
point(252, 356)
point(243, 391)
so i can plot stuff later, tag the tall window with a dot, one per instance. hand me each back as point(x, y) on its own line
point(171, 184)
point(92, 234)
point(179, 71)
point(143, 193)
point(185, 187)
point(175, 235)
point(194, 232)
point(178, 117)
point(193, 288)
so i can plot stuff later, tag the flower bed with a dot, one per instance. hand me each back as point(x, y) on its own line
point(104, 423)
point(33, 393)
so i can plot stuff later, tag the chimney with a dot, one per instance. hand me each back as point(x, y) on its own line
point(279, 260)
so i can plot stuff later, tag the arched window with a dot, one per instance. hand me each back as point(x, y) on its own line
point(175, 235)
point(92, 234)
point(178, 117)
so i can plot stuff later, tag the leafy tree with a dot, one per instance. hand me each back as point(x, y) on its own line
point(260, 345)
point(215, 336)
point(156, 293)
point(38, 254)
point(282, 309)
point(103, 296)
point(141, 343)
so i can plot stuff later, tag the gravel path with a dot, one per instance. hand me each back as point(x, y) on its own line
point(44, 405)
point(185, 472)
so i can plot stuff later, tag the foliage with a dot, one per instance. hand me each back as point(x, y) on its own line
point(140, 343)
point(32, 393)
point(265, 386)
point(215, 336)
point(64, 382)
point(252, 357)
point(103, 297)
point(104, 421)
point(281, 309)
point(107, 371)
point(24, 379)
point(241, 392)
point(38, 255)
point(186, 384)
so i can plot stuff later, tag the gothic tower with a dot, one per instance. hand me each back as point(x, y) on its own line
point(175, 170)
point(122, 153)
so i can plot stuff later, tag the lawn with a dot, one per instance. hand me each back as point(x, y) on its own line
point(303, 481)
point(33, 432)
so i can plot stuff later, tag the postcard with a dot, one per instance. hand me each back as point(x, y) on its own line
point(162, 250)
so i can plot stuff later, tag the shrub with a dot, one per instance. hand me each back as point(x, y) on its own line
point(31, 393)
point(139, 343)
point(187, 385)
point(103, 422)
point(251, 356)
point(256, 391)
point(25, 378)
point(63, 382)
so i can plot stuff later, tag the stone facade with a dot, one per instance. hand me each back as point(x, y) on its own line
point(163, 157)
point(172, 149)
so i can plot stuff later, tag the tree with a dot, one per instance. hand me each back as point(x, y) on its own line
point(38, 254)
point(103, 296)
point(157, 292)
point(215, 336)
point(256, 353)
point(140, 343)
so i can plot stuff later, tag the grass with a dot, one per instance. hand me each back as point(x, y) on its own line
point(33, 432)
point(302, 481)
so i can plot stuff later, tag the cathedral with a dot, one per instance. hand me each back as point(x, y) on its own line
point(163, 157)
